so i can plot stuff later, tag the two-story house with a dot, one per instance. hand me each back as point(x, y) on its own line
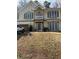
point(39, 17)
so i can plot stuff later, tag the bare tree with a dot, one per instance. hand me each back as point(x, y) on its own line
point(47, 4)
point(22, 3)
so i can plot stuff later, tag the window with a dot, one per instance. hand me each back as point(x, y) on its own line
point(52, 14)
point(17, 15)
point(57, 13)
point(28, 15)
point(32, 15)
point(25, 16)
point(39, 14)
point(49, 14)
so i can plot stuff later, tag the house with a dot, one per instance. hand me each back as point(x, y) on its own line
point(35, 15)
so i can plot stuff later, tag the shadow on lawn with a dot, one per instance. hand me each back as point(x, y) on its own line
point(23, 34)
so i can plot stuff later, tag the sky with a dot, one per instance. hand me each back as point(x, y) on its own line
point(41, 1)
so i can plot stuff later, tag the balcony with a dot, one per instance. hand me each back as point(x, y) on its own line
point(39, 17)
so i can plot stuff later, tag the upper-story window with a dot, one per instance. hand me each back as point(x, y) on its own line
point(28, 15)
point(39, 14)
point(25, 16)
point(57, 13)
point(17, 15)
point(52, 14)
point(49, 14)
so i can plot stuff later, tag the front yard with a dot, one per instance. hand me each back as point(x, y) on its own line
point(40, 45)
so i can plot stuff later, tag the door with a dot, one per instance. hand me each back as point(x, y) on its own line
point(39, 26)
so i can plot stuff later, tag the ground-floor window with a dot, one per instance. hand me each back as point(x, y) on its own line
point(53, 26)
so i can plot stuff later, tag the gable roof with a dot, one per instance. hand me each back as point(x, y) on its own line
point(35, 4)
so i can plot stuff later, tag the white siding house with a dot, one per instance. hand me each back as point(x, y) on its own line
point(39, 17)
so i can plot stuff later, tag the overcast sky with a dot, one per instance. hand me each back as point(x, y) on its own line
point(41, 1)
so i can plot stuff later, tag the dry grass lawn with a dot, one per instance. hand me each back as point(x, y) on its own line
point(40, 45)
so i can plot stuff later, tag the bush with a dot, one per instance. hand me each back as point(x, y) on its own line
point(46, 29)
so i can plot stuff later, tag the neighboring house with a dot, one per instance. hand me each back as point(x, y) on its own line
point(35, 15)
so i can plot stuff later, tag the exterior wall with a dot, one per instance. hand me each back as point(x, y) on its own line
point(46, 24)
